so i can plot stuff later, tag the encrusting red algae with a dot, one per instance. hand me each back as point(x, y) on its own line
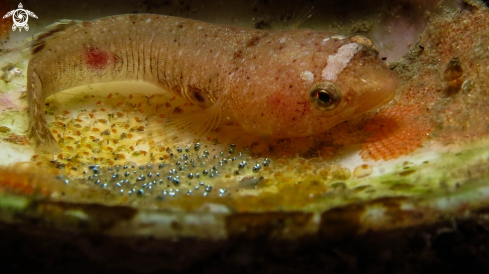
point(272, 83)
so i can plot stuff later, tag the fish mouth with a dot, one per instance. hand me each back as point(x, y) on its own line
point(380, 92)
point(383, 102)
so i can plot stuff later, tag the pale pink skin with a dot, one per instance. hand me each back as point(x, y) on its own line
point(260, 79)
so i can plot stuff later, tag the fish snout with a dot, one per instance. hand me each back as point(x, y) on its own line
point(380, 88)
point(371, 82)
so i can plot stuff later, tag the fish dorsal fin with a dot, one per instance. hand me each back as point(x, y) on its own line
point(298, 18)
point(39, 41)
point(291, 18)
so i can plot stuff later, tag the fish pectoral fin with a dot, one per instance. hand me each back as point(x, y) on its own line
point(185, 127)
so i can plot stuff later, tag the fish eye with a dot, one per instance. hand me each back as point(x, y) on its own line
point(325, 97)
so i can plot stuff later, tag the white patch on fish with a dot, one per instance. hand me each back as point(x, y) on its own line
point(337, 62)
point(338, 37)
point(308, 77)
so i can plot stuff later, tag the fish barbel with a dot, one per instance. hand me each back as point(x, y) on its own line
point(272, 83)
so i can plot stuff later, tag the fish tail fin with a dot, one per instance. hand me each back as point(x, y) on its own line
point(39, 41)
point(38, 131)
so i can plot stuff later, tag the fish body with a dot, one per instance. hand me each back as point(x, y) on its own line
point(272, 83)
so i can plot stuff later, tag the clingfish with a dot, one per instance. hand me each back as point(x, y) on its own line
point(272, 83)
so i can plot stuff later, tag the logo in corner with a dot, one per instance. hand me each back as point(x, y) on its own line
point(20, 17)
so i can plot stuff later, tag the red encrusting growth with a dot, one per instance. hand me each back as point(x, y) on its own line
point(396, 131)
point(427, 105)
point(20, 179)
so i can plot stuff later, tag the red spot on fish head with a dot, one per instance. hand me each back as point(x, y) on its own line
point(97, 58)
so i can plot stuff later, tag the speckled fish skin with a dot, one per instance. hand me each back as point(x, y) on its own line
point(260, 79)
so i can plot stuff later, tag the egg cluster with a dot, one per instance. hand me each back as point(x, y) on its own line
point(187, 171)
point(105, 145)
point(109, 131)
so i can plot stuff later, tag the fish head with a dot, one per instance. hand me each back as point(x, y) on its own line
point(364, 83)
point(309, 100)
